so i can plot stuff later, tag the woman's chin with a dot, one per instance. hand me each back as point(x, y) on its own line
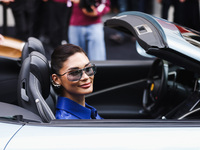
point(88, 92)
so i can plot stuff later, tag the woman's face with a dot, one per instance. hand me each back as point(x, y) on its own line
point(80, 87)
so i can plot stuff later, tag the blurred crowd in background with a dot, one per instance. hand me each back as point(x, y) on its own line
point(48, 20)
point(186, 12)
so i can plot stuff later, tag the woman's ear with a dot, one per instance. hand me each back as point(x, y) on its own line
point(56, 79)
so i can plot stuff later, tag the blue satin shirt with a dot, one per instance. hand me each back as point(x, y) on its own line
point(68, 109)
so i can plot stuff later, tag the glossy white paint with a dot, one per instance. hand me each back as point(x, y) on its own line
point(107, 138)
point(6, 132)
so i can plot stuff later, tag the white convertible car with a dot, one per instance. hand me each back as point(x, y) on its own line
point(151, 104)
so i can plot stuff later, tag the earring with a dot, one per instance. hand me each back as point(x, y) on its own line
point(55, 85)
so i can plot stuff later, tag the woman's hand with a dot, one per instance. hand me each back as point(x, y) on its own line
point(1, 39)
point(7, 1)
point(94, 12)
point(159, 1)
point(75, 1)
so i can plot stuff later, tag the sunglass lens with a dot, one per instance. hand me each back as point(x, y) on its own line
point(90, 71)
point(75, 75)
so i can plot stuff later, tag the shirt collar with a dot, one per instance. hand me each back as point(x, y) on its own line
point(76, 109)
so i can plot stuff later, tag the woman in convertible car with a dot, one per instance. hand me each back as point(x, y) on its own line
point(72, 78)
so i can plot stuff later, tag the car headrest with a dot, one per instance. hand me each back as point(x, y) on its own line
point(32, 44)
point(39, 67)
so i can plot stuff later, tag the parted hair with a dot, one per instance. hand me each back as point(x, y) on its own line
point(61, 54)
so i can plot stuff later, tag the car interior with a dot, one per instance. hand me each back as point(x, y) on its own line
point(127, 98)
point(135, 89)
point(31, 78)
point(34, 86)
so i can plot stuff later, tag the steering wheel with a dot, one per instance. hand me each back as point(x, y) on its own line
point(156, 85)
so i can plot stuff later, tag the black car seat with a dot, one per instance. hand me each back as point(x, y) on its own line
point(10, 68)
point(188, 109)
point(34, 85)
point(32, 44)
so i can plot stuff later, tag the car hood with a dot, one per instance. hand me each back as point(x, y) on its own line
point(159, 37)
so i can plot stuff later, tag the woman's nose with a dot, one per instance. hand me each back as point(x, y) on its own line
point(84, 76)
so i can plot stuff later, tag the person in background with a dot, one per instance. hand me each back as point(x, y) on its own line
point(178, 9)
point(59, 15)
point(124, 5)
point(165, 4)
point(72, 78)
point(186, 12)
point(1, 39)
point(24, 12)
point(191, 14)
point(128, 5)
point(86, 28)
point(41, 25)
point(7, 1)
point(145, 6)
point(114, 6)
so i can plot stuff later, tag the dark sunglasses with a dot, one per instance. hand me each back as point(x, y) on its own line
point(77, 74)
